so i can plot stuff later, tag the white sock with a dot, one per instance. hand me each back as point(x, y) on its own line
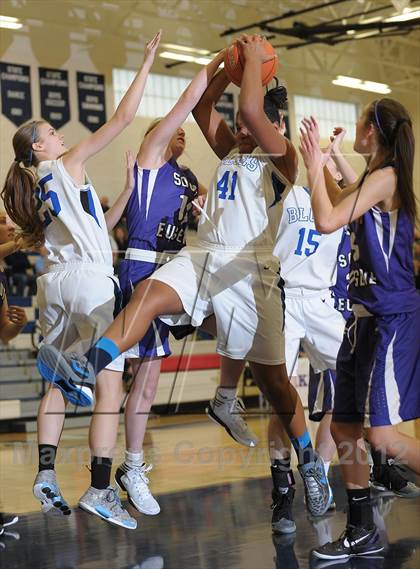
point(327, 466)
point(134, 458)
point(226, 393)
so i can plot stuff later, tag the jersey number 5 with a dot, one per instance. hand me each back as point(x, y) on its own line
point(43, 196)
point(224, 183)
point(313, 243)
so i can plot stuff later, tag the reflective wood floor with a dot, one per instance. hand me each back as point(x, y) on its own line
point(215, 500)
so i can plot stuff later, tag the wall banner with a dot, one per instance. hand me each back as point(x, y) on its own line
point(91, 99)
point(54, 96)
point(16, 101)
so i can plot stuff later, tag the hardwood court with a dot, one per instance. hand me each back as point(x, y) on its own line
point(215, 499)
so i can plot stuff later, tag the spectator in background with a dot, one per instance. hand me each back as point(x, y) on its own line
point(104, 200)
point(12, 318)
point(20, 274)
point(121, 239)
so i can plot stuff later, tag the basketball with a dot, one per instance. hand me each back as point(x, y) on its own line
point(234, 64)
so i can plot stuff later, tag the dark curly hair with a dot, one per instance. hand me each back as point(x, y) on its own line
point(275, 100)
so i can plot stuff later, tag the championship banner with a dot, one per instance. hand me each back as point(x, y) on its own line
point(225, 106)
point(54, 96)
point(91, 100)
point(16, 102)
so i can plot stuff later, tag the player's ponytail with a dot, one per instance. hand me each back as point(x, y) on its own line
point(274, 100)
point(395, 135)
point(19, 186)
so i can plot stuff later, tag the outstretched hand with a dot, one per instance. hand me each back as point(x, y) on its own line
point(253, 46)
point(151, 47)
point(309, 144)
point(337, 138)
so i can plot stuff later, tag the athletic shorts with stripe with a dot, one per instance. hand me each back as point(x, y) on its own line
point(240, 288)
point(378, 370)
point(77, 302)
point(313, 323)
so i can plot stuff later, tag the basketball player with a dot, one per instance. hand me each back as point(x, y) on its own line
point(233, 274)
point(78, 294)
point(157, 215)
point(378, 365)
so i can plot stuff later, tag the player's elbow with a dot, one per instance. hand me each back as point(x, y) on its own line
point(324, 226)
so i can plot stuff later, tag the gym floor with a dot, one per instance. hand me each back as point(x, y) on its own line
point(215, 501)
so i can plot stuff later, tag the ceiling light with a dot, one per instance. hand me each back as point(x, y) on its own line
point(10, 23)
point(354, 83)
point(366, 34)
point(186, 48)
point(185, 57)
point(407, 14)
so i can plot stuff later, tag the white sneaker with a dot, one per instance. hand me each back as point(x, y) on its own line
point(229, 413)
point(106, 504)
point(134, 481)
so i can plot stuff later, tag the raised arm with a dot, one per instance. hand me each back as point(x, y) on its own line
point(213, 126)
point(153, 151)
point(349, 175)
point(352, 202)
point(113, 215)
point(251, 108)
point(123, 116)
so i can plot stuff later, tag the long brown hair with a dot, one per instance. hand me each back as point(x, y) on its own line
point(19, 186)
point(396, 137)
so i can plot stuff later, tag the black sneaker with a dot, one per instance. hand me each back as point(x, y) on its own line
point(7, 520)
point(282, 520)
point(391, 479)
point(353, 541)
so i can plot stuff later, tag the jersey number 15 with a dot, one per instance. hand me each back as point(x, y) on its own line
point(310, 240)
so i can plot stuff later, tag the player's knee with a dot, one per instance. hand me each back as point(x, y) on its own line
point(146, 297)
point(376, 437)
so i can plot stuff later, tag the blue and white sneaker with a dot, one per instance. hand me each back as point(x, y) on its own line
point(46, 490)
point(318, 493)
point(106, 504)
point(70, 372)
point(354, 541)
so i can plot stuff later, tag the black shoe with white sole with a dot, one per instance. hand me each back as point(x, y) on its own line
point(352, 542)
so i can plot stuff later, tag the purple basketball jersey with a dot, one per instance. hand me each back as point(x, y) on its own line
point(157, 210)
point(340, 289)
point(381, 274)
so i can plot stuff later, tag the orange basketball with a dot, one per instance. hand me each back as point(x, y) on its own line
point(234, 64)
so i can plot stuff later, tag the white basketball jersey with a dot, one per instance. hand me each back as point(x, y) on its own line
point(308, 259)
point(244, 204)
point(74, 224)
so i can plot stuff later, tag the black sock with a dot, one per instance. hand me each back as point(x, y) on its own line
point(102, 354)
point(46, 457)
point(281, 475)
point(100, 472)
point(378, 458)
point(360, 512)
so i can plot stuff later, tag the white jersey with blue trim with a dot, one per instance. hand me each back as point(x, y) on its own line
point(74, 224)
point(244, 204)
point(298, 241)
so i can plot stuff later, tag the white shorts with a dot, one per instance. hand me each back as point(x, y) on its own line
point(312, 320)
point(76, 305)
point(240, 289)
